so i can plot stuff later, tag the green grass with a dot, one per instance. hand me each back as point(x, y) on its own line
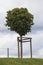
point(16, 61)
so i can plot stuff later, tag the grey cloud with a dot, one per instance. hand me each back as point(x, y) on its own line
point(35, 7)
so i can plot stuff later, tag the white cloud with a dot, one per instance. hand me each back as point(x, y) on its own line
point(34, 6)
point(9, 39)
point(37, 43)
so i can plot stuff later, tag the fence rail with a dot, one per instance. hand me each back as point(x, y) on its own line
point(13, 53)
point(8, 52)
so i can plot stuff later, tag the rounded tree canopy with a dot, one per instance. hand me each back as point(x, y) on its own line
point(19, 20)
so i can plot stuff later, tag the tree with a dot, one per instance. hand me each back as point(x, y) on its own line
point(19, 20)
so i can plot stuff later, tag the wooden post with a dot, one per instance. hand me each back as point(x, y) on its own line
point(31, 48)
point(21, 46)
point(20, 41)
point(18, 47)
point(8, 52)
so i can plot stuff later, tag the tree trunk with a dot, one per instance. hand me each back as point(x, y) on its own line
point(21, 46)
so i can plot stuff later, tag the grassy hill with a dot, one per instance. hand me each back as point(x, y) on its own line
point(15, 61)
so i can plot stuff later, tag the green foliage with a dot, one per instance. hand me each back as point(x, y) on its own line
point(19, 20)
point(15, 61)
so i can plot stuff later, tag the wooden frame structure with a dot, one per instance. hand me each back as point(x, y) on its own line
point(24, 39)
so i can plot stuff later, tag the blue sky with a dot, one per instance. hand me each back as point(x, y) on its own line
point(8, 39)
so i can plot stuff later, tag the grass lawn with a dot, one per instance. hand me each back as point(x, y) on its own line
point(16, 61)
